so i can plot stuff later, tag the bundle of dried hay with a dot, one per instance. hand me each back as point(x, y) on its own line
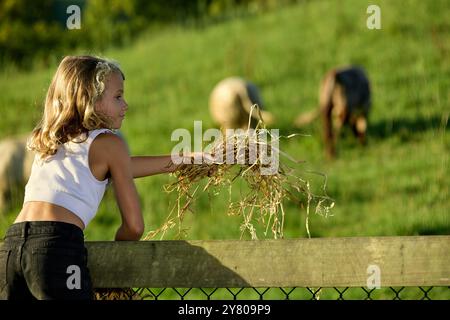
point(116, 294)
point(268, 187)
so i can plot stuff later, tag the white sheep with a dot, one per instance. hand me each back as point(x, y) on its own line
point(230, 103)
point(15, 169)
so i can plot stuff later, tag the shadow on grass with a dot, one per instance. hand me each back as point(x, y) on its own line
point(430, 230)
point(406, 128)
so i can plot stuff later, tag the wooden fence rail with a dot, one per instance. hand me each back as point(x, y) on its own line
point(320, 262)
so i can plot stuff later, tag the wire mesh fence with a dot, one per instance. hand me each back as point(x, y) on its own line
point(295, 293)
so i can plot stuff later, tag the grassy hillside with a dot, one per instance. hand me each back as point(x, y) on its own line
point(397, 185)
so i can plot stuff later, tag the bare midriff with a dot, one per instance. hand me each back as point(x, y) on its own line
point(45, 211)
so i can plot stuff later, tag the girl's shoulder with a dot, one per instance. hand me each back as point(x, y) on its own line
point(109, 143)
point(107, 151)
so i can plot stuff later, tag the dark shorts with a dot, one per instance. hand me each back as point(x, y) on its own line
point(44, 260)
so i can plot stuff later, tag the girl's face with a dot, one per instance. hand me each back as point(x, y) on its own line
point(112, 103)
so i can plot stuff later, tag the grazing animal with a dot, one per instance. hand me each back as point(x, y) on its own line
point(344, 99)
point(230, 103)
point(15, 168)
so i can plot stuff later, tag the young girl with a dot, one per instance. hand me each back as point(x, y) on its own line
point(77, 154)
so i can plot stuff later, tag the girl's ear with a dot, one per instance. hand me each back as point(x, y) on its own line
point(98, 106)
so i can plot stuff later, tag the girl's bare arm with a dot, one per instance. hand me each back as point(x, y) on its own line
point(119, 163)
point(143, 166)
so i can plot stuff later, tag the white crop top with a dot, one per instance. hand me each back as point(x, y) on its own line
point(66, 180)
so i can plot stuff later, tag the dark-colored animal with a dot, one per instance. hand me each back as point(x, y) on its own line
point(230, 103)
point(344, 99)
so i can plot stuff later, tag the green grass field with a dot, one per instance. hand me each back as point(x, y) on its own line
point(397, 185)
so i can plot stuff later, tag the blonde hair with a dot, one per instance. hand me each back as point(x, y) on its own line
point(69, 109)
